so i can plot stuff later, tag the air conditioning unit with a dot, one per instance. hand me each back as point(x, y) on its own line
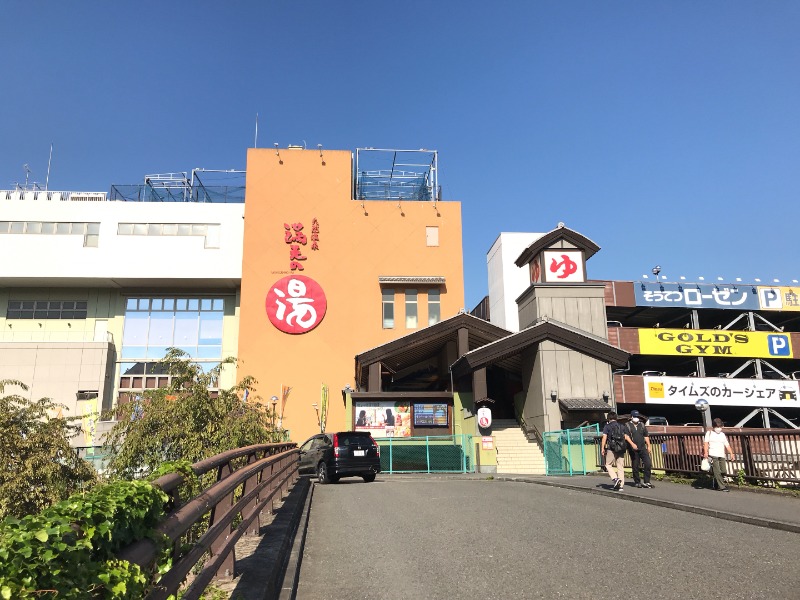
point(86, 395)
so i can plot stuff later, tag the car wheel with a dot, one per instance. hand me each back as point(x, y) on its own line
point(322, 473)
point(368, 478)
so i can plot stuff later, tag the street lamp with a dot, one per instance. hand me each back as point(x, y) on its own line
point(274, 401)
point(704, 408)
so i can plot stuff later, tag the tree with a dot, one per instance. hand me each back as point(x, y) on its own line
point(185, 421)
point(37, 465)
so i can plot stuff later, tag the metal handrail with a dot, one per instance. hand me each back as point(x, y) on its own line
point(757, 456)
point(270, 469)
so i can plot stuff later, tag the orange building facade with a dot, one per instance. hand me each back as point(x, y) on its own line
point(378, 269)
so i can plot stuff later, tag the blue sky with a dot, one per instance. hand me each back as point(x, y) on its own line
point(668, 132)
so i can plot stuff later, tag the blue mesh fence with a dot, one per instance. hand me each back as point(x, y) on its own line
point(571, 451)
point(430, 454)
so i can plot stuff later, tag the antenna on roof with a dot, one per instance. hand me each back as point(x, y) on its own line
point(255, 142)
point(27, 174)
point(49, 160)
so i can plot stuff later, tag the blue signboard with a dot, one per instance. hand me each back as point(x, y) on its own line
point(696, 295)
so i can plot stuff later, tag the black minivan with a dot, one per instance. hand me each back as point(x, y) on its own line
point(344, 454)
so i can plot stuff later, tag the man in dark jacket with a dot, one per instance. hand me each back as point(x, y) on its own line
point(639, 449)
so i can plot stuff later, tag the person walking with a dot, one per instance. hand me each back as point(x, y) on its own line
point(639, 450)
point(715, 449)
point(613, 444)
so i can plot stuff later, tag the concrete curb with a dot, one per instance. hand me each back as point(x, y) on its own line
point(295, 559)
point(709, 512)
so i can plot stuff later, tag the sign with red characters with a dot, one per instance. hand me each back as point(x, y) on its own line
point(294, 236)
point(296, 304)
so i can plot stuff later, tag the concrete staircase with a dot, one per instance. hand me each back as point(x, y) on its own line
point(515, 454)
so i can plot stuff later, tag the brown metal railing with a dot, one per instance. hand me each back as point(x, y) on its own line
point(758, 457)
point(247, 479)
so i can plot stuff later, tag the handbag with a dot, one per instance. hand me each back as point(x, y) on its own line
point(705, 465)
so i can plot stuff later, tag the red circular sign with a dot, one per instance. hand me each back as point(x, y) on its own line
point(296, 304)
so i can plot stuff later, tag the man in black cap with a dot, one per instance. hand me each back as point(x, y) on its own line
point(639, 448)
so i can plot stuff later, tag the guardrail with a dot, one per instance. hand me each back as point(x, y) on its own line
point(757, 457)
point(247, 479)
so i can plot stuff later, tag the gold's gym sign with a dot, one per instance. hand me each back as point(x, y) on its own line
point(715, 342)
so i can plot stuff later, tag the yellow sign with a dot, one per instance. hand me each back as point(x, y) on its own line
point(715, 343)
point(779, 298)
point(655, 389)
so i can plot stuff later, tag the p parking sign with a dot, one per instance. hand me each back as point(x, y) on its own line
point(778, 345)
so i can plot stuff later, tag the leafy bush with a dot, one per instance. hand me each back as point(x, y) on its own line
point(67, 550)
point(185, 421)
point(39, 466)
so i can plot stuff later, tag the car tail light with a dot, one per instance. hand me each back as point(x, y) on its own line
point(336, 445)
point(375, 445)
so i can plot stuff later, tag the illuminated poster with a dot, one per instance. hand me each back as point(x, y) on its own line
point(383, 419)
point(430, 415)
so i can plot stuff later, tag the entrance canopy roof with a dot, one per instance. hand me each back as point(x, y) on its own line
point(416, 347)
point(542, 330)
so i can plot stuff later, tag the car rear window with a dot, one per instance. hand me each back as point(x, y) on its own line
point(355, 439)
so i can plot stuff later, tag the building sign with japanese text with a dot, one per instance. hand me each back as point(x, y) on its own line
point(696, 295)
point(296, 239)
point(296, 304)
point(779, 298)
point(765, 393)
point(715, 342)
point(563, 266)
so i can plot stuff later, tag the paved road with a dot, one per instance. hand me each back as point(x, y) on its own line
point(475, 539)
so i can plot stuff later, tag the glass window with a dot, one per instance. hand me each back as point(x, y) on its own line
point(135, 330)
point(170, 229)
point(434, 307)
point(387, 299)
point(154, 229)
point(79, 228)
point(209, 352)
point(152, 325)
point(63, 228)
point(93, 228)
point(4, 226)
point(48, 228)
point(33, 227)
point(431, 236)
point(17, 227)
point(91, 241)
point(160, 332)
point(125, 229)
point(184, 229)
point(140, 229)
point(210, 328)
point(199, 229)
point(218, 304)
point(411, 309)
point(186, 329)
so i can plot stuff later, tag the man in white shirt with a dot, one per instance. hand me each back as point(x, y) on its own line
point(716, 448)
